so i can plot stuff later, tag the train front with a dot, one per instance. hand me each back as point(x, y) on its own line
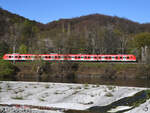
point(5, 57)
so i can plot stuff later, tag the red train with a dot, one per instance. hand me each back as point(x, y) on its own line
point(69, 57)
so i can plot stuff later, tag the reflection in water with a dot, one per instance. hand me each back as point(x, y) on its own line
point(101, 81)
point(91, 80)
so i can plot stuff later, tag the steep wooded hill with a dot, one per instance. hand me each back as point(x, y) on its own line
point(91, 34)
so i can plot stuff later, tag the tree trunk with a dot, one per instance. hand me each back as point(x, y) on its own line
point(144, 54)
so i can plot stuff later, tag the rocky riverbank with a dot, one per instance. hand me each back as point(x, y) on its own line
point(72, 98)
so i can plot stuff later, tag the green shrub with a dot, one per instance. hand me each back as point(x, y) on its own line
point(86, 85)
point(47, 86)
point(6, 69)
point(109, 94)
point(41, 99)
point(17, 98)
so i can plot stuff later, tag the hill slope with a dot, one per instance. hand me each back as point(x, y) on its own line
point(86, 34)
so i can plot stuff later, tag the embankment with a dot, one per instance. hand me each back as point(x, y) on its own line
point(44, 71)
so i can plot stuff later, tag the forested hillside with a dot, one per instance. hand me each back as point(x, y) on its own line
point(91, 34)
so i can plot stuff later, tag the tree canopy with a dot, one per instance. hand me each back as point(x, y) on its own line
point(23, 49)
point(4, 48)
point(142, 39)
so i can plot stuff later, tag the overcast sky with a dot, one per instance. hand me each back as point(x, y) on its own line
point(45, 11)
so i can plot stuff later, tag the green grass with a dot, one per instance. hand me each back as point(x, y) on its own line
point(109, 94)
point(78, 87)
point(17, 98)
point(148, 93)
point(86, 86)
point(26, 86)
point(41, 99)
point(110, 87)
point(47, 86)
point(8, 87)
point(35, 86)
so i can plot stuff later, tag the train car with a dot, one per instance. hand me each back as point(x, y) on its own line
point(70, 57)
point(116, 58)
point(20, 57)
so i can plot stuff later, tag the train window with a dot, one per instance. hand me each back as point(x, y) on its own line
point(16, 56)
point(55, 56)
point(82, 57)
point(49, 56)
point(116, 57)
point(99, 57)
point(65, 56)
point(95, 57)
point(127, 57)
point(58, 56)
point(19, 56)
point(88, 56)
point(9, 56)
point(109, 57)
point(69, 56)
point(45, 56)
point(106, 57)
point(29, 56)
point(26, 56)
point(78, 56)
point(85, 57)
point(121, 57)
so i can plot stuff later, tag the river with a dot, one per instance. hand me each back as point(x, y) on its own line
point(101, 81)
point(86, 79)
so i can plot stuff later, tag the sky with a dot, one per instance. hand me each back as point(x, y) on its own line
point(45, 11)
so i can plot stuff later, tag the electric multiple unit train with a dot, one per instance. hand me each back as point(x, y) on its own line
point(70, 57)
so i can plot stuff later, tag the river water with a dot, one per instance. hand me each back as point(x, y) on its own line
point(86, 79)
point(101, 81)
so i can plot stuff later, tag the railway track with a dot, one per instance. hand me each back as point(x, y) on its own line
point(99, 62)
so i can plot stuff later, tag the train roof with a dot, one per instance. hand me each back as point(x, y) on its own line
point(74, 54)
